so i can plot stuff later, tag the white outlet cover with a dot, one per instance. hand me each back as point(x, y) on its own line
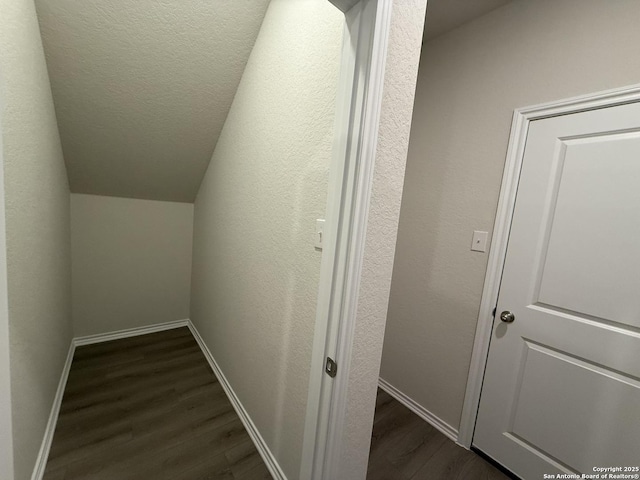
point(479, 241)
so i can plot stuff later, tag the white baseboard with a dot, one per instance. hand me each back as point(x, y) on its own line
point(43, 454)
point(129, 332)
point(262, 447)
point(419, 410)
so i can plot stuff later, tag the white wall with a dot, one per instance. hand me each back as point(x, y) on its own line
point(6, 433)
point(470, 81)
point(37, 224)
point(255, 269)
point(401, 72)
point(131, 262)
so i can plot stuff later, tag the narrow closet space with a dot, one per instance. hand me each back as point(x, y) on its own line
point(165, 168)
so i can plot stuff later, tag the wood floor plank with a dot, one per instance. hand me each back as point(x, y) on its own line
point(216, 468)
point(189, 455)
point(397, 423)
point(153, 458)
point(55, 474)
point(405, 447)
point(479, 469)
point(385, 403)
point(243, 458)
point(151, 370)
point(448, 462)
point(148, 407)
point(380, 468)
point(415, 449)
point(260, 472)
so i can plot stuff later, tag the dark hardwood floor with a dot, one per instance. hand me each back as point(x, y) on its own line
point(405, 447)
point(149, 408)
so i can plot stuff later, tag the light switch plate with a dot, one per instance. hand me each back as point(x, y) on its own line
point(479, 241)
point(319, 233)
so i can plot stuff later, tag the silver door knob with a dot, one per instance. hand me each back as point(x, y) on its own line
point(507, 316)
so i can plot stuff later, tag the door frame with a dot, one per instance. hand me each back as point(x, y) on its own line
point(522, 118)
point(358, 106)
point(6, 432)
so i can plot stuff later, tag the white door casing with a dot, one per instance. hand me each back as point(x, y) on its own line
point(359, 101)
point(561, 391)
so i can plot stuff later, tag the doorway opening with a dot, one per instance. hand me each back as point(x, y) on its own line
point(469, 85)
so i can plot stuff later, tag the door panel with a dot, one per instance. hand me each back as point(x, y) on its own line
point(593, 230)
point(576, 397)
point(562, 386)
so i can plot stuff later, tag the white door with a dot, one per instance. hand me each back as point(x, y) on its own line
point(561, 391)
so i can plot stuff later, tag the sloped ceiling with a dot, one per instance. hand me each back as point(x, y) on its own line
point(445, 15)
point(142, 88)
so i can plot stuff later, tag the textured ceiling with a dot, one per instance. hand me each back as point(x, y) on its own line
point(142, 88)
point(445, 15)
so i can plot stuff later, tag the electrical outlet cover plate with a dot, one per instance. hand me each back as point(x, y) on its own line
point(479, 241)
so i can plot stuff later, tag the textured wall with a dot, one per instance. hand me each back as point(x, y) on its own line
point(37, 223)
point(131, 262)
point(255, 269)
point(6, 434)
point(142, 88)
point(393, 140)
point(471, 80)
point(445, 15)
